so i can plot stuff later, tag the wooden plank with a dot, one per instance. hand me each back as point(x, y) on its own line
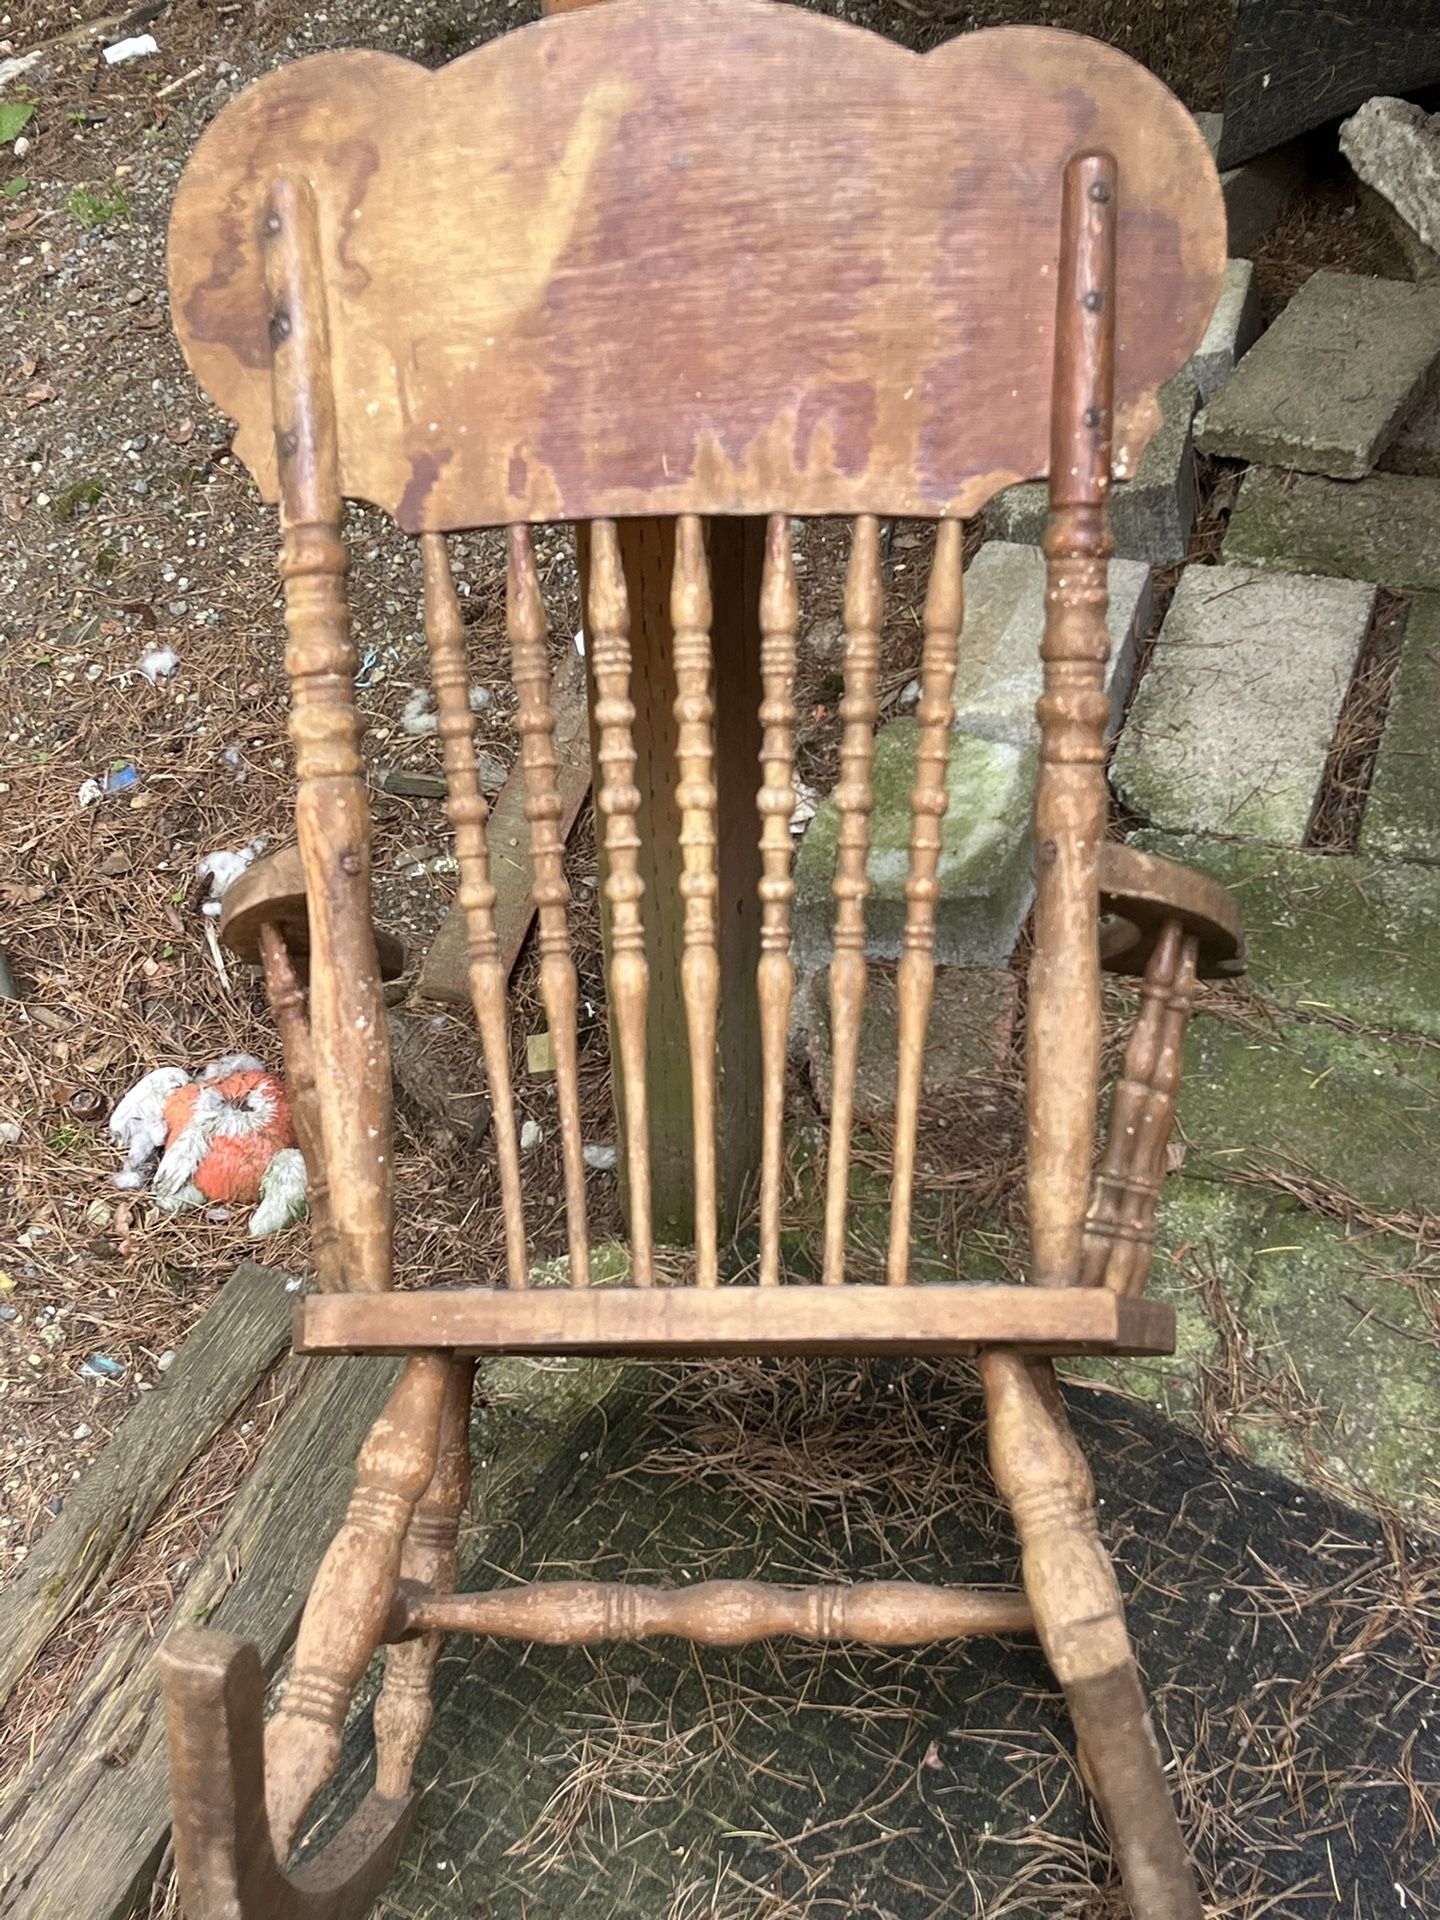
point(444, 976)
point(854, 308)
point(1296, 67)
point(83, 1829)
point(737, 1320)
point(232, 1345)
point(736, 552)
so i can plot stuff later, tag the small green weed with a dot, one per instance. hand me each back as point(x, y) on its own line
point(93, 209)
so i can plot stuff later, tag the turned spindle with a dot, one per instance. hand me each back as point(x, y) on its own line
point(618, 802)
point(469, 816)
point(915, 980)
point(779, 618)
point(696, 799)
point(287, 1008)
point(854, 799)
point(559, 986)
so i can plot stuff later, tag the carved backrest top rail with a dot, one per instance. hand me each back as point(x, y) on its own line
point(669, 256)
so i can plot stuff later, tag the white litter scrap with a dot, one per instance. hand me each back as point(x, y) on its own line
point(221, 869)
point(135, 48)
point(807, 805)
point(159, 664)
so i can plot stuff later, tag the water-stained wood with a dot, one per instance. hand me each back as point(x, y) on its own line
point(652, 258)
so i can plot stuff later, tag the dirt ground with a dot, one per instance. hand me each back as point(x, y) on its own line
point(126, 528)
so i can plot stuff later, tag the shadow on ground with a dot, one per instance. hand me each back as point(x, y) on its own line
point(1283, 1636)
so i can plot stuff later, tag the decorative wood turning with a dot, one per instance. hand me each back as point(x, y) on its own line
point(915, 982)
point(619, 802)
point(621, 263)
point(779, 617)
point(559, 986)
point(696, 798)
point(468, 816)
point(719, 1613)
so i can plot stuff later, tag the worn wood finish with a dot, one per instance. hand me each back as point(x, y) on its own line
point(1144, 1116)
point(442, 293)
point(854, 799)
point(351, 1595)
point(775, 978)
point(697, 802)
point(1144, 892)
point(332, 818)
point(736, 550)
point(404, 1709)
point(721, 1613)
point(731, 1320)
point(559, 987)
point(272, 893)
point(232, 1346)
point(286, 999)
point(494, 229)
point(445, 971)
point(469, 818)
point(224, 1852)
point(1080, 1619)
point(1063, 1014)
point(84, 1826)
point(618, 800)
point(915, 980)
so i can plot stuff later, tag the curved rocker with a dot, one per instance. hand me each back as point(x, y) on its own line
point(214, 1708)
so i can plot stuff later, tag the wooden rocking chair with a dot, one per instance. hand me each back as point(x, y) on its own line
point(680, 258)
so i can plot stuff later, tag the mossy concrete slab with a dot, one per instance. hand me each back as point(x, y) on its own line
point(1151, 514)
point(986, 865)
point(1353, 1114)
point(1385, 528)
point(1326, 388)
point(1343, 936)
point(972, 1019)
point(1402, 812)
point(1304, 1345)
point(1231, 727)
point(1000, 673)
point(1339, 1335)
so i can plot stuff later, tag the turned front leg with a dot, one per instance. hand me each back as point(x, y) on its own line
point(352, 1595)
point(405, 1708)
point(1080, 1620)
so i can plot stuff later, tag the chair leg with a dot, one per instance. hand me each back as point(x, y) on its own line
point(240, 1789)
point(405, 1709)
point(1079, 1617)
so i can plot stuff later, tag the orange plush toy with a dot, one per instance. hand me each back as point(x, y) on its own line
point(225, 1138)
point(222, 1134)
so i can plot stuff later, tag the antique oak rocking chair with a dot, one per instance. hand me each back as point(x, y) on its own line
point(694, 258)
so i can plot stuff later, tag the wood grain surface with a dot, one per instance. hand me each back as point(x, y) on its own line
point(659, 258)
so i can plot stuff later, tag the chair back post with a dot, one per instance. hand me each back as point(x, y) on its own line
point(332, 814)
point(1063, 1032)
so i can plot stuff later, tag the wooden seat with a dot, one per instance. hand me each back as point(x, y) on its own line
point(679, 260)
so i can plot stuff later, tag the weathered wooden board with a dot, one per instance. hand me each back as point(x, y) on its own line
point(444, 976)
point(233, 1344)
point(1295, 66)
point(82, 1831)
point(665, 256)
